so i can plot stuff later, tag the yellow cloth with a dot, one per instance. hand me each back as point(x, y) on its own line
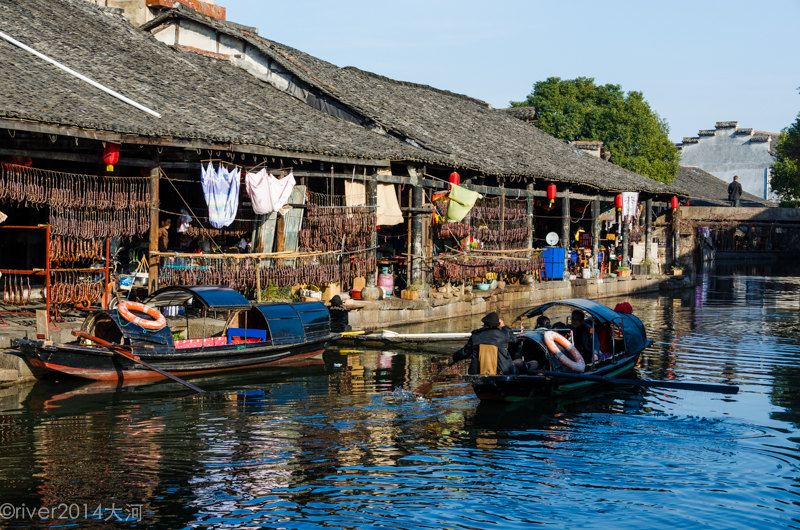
point(461, 202)
point(487, 358)
point(389, 213)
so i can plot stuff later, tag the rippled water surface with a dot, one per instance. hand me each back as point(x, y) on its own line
point(346, 442)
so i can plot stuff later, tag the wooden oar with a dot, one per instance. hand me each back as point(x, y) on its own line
point(650, 383)
point(124, 352)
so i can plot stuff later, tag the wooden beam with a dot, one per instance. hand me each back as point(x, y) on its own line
point(125, 138)
point(595, 233)
point(530, 211)
point(155, 173)
point(648, 230)
point(565, 224)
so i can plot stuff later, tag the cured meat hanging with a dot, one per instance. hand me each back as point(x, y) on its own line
point(41, 187)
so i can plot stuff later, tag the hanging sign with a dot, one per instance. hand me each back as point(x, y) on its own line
point(630, 203)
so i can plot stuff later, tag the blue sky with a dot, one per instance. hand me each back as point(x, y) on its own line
point(696, 62)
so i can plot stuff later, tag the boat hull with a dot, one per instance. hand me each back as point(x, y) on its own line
point(516, 388)
point(96, 364)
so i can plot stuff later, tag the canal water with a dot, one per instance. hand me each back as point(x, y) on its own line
point(345, 442)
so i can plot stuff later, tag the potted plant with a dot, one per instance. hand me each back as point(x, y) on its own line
point(412, 292)
point(677, 270)
point(623, 272)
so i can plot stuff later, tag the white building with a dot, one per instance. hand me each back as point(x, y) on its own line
point(728, 150)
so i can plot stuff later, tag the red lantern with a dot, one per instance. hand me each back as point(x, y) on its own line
point(455, 178)
point(551, 193)
point(110, 156)
point(618, 202)
point(674, 203)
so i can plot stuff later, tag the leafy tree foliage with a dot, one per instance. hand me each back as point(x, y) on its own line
point(578, 109)
point(786, 169)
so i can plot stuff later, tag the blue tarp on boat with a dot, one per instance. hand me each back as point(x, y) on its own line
point(296, 323)
point(214, 298)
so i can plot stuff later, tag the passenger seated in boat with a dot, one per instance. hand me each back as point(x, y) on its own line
point(490, 349)
point(543, 322)
point(582, 333)
point(339, 318)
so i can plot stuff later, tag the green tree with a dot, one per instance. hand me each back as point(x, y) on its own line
point(578, 109)
point(786, 169)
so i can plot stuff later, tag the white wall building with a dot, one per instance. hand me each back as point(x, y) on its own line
point(728, 150)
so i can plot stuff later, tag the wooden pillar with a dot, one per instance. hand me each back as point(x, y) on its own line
point(418, 239)
point(529, 205)
point(502, 213)
point(565, 223)
point(625, 242)
point(372, 202)
point(154, 226)
point(595, 232)
point(648, 232)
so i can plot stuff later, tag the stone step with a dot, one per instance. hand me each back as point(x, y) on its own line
point(7, 375)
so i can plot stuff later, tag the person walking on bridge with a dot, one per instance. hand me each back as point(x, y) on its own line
point(734, 191)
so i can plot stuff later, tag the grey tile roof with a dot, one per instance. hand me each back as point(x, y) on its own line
point(198, 97)
point(209, 100)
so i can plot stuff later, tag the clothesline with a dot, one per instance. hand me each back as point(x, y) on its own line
point(208, 233)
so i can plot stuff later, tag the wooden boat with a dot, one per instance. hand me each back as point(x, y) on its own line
point(618, 340)
point(392, 337)
point(209, 329)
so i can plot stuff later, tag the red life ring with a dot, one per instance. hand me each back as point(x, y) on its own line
point(557, 344)
point(158, 321)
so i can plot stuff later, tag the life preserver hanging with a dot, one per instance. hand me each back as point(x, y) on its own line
point(557, 344)
point(154, 323)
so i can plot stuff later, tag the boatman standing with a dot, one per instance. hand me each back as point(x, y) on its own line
point(493, 333)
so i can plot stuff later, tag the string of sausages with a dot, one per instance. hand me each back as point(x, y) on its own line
point(70, 250)
point(326, 228)
point(77, 289)
point(88, 223)
point(16, 289)
point(41, 187)
point(240, 274)
point(468, 268)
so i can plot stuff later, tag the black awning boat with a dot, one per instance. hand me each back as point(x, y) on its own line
point(616, 340)
point(208, 329)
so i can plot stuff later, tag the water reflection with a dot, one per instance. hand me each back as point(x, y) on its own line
point(343, 441)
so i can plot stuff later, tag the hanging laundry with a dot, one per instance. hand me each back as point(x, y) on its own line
point(461, 202)
point(267, 192)
point(221, 190)
point(389, 213)
point(355, 193)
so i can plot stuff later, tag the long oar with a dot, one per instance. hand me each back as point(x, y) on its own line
point(650, 383)
point(123, 352)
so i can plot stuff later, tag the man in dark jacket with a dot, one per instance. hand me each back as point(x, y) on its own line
point(734, 191)
point(339, 318)
point(494, 333)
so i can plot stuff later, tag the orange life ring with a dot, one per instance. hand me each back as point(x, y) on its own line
point(557, 344)
point(158, 321)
